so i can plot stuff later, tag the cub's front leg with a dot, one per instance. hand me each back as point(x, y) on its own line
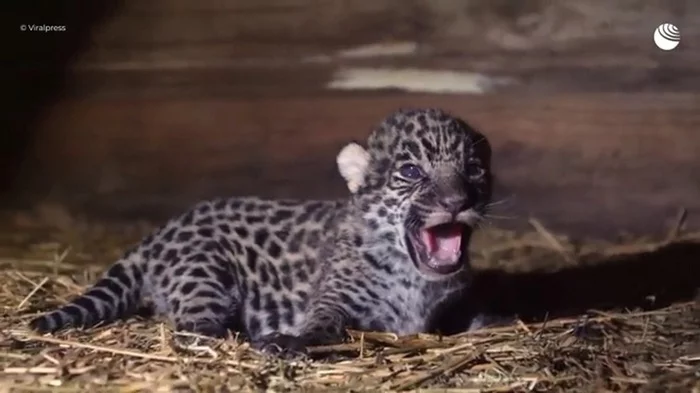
point(332, 306)
point(326, 321)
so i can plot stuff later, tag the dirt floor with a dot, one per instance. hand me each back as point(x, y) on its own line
point(592, 316)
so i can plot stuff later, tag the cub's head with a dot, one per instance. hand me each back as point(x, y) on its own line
point(423, 183)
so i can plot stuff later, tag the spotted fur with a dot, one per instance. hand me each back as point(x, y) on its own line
point(297, 273)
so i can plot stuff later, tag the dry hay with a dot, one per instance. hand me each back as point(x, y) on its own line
point(652, 350)
point(611, 351)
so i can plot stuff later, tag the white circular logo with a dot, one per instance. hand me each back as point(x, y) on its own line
point(667, 36)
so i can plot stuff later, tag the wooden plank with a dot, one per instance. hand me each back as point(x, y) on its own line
point(167, 101)
point(589, 164)
point(214, 31)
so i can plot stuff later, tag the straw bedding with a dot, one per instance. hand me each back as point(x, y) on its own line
point(645, 349)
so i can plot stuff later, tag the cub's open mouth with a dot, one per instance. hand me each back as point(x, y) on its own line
point(440, 249)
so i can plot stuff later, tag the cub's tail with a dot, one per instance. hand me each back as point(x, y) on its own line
point(116, 295)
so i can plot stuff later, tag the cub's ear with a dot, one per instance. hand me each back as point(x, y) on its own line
point(353, 161)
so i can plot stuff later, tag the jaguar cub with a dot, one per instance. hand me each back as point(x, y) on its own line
point(290, 274)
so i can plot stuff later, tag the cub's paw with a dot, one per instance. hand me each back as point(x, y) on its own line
point(281, 345)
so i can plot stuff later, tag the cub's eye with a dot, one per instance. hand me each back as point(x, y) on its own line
point(410, 171)
point(475, 171)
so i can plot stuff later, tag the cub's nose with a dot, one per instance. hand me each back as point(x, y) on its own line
point(455, 205)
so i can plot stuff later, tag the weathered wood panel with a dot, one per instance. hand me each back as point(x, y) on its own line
point(192, 33)
point(597, 163)
point(144, 107)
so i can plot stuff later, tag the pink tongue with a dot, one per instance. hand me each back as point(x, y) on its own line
point(443, 244)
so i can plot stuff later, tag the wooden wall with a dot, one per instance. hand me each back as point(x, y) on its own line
point(145, 107)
